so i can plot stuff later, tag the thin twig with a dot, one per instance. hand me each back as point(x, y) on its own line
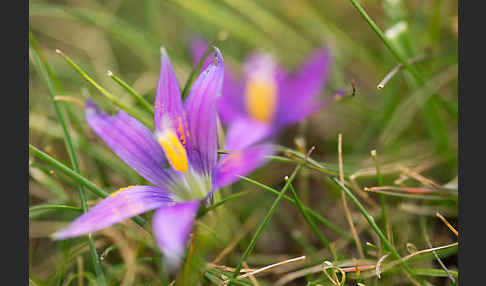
point(252, 278)
point(69, 99)
point(429, 244)
point(418, 177)
point(447, 223)
point(271, 266)
point(343, 198)
point(398, 68)
point(417, 170)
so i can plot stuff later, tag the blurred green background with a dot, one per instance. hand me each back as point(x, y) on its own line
point(412, 126)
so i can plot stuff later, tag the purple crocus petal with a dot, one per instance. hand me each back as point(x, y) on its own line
point(299, 91)
point(134, 143)
point(202, 137)
point(231, 104)
point(171, 226)
point(119, 206)
point(168, 110)
point(240, 163)
point(245, 132)
point(259, 62)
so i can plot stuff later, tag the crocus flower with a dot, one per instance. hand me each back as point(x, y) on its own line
point(267, 98)
point(180, 159)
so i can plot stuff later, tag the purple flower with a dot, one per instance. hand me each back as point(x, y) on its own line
point(180, 159)
point(267, 98)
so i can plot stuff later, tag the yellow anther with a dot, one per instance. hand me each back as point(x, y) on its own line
point(118, 191)
point(261, 99)
point(180, 130)
point(173, 149)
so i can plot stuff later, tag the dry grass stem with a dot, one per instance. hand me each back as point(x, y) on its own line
point(343, 198)
point(447, 223)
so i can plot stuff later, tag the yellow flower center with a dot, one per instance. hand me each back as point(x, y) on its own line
point(261, 99)
point(173, 149)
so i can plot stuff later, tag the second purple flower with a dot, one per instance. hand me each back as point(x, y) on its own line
point(267, 98)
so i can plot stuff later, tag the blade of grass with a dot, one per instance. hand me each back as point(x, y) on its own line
point(375, 227)
point(144, 103)
point(387, 42)
point(308, 219)
point(262, 226)
point(436, 126)
point(322, 167)
point(314, 214)
point(415, 196)
point(132, 111)
point(429, 244)
point(76, 176)
point(195, 71)
point(41, 66)
point(222, 202)
point(37, 211)
point(404, 113)
point(54, 207)
point(435, 273)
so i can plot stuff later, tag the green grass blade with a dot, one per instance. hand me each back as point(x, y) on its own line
point(262, 226)
point(132, 111)
point(314, 214)
point(43, 208)
point(195, 72)
point(222, 202)
point(434, 272)
point(429, 244)
point(308, 219)
point(143, 102)
point(430, 112)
